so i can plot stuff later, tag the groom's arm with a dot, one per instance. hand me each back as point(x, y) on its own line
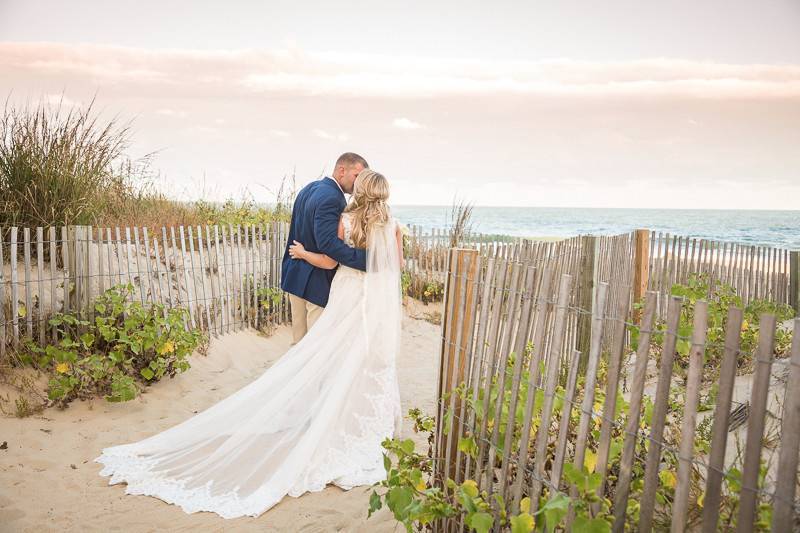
point(326, 223)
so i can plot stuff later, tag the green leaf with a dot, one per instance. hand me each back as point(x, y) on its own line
point(470, 488)
point(387, 462)
point(407, 446)
point(555, 510)
point(468, 446)
point(374, 503)
point(88, 340)
point(147, 373)
point(522, 523)
point(398, 499)
point(481, 522)
point(583, 524)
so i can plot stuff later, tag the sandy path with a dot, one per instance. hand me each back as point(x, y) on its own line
point(48, 481)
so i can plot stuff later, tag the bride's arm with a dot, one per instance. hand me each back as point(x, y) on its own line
point(298, 251)
point(398, 232)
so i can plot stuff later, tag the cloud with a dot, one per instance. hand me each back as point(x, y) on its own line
point(256, 72)
point(171, 113)
point(406, 124)
point(322, 134)
point(279, 133)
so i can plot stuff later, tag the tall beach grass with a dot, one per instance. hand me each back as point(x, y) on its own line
point(63, 165)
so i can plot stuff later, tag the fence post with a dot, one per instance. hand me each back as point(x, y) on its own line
point(71, 290)
point(457, 328)
point(586, 293)
point(641, 265)
point(794, 281)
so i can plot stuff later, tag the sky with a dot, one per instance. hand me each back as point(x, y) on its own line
point(678, 104)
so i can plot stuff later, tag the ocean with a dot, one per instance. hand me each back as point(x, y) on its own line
point(769, 228)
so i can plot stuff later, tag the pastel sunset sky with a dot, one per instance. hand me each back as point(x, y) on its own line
point(570, 103)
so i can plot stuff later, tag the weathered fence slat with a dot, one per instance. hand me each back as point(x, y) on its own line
point(491, 347)
point(563, 424)
point(659, 416)
point(612, 385)
point(755, 425)
point(157, 274)
point(140, 281)
point(26, 240)
point(691, 399)
point(169, 265)
point(719, 427)
point(207, 302)
point(634, 412)
point(512, 304)
point(519, 356)
point(40, 282)
point(3, 333)
point(226, 262)
point(65, 261)
point(533, 376)
point(479, 352)
point(213, 303)
point(447, 355)
point(14, 288)
point(551, 381)
point(783, 516)
point(468, 265)
point(53, 272)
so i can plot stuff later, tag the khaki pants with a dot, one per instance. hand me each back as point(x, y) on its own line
point(304, 314)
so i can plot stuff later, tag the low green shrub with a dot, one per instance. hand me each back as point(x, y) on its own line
point(126, 345)
point(720, 298)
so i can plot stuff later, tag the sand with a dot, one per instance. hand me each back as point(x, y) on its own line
point(48, 481)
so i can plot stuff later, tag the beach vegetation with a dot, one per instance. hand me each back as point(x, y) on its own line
point(122, 348)
point(65, 165)
point(720, 298)
point(417, 498)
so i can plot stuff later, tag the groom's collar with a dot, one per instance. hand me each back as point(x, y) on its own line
point(337, 184)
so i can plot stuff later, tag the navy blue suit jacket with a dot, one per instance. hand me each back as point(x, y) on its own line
point(315, 223)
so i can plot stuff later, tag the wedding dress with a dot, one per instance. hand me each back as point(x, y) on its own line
point(317, 416)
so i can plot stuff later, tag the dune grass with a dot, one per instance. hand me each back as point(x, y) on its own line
point(66, 166)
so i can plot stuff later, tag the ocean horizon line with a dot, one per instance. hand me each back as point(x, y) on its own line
point(475, 206)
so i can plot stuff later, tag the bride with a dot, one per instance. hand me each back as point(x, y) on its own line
point(317, 416)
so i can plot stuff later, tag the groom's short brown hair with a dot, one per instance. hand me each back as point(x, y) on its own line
point(350, 159)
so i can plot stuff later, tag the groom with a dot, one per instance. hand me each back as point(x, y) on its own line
point(315, 223)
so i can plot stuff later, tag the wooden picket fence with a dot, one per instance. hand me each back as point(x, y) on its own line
point(756, 272)
point(643, 259)
point(227, 277)
point(507, 316)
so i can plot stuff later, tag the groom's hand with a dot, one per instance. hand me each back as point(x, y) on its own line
point(326, 225)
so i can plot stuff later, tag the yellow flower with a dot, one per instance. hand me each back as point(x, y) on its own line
point(167, 347)
point(62, 368)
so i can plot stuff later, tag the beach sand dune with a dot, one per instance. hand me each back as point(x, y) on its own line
point(48, 481)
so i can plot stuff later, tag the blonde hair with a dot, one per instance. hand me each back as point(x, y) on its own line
point(368, 205)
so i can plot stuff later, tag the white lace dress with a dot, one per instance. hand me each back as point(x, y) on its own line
point(317, 416)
